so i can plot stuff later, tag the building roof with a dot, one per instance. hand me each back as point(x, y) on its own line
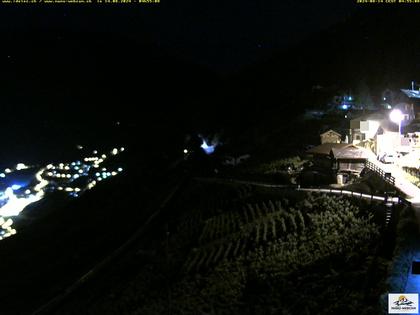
point(350, 152)
point(339, 151)
point(325, 148)
point(411, 93)
point(331, 131)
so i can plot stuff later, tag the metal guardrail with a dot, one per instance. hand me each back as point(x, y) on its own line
point(354, 194)
point(385, 198)
point(384, 175)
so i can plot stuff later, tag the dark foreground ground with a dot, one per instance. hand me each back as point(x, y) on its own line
point(60, 238)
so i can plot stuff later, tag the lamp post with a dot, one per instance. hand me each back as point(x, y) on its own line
point(396, 116)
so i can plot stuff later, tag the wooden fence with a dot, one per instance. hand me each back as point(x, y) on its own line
point(385, 176)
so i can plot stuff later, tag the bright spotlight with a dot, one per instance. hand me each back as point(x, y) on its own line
point(396, 116)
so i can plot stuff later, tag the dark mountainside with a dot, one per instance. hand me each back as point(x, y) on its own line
point(371, 50)
point(378, 46)
point(73, 88)
point(99, 78)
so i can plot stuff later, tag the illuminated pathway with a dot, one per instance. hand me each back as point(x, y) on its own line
point(71, 178)
point(413, 195)
point(401, 182)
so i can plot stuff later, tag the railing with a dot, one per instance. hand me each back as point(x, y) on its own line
point(354, 194)
point(385, 198)
point(389, 179)
point(385, 176)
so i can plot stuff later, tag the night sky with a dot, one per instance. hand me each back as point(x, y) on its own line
point(224, 36)
point(231, 34)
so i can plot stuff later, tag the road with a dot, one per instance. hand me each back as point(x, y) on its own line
point(401, 182)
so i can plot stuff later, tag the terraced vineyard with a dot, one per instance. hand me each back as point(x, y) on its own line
point(239, 250)
point(278, 239)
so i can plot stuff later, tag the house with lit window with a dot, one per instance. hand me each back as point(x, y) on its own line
point(411, 98)
point(408, 112)
point(364, 127)
point(375, 132)
point(410, 142)
point(387, 139)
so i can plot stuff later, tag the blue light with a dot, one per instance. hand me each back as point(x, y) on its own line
point(16, 187)
point(209, 149)
point(350, 98)
point(344, 106)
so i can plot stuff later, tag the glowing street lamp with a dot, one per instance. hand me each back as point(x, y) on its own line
point(396, 116)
